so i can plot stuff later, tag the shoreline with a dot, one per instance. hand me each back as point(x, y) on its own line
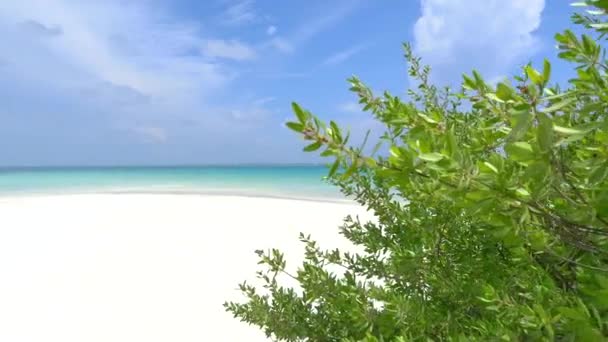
point(204, 193)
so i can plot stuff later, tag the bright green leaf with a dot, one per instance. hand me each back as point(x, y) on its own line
point(546, 70)
point(431, 157)
point(298, 127)
point(504, 92)
point(520, 151)
point(534, 75)
point(567, 130)
point(491, 167)
point(394, 151)
point(522, 192)
point(523, 121)
point(544, 135)
point(559, 105)
point(336, 130)
point(426, 118)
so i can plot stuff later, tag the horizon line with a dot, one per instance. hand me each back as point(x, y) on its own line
point(161, 165)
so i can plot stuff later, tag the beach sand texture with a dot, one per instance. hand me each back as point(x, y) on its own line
point(140, 267)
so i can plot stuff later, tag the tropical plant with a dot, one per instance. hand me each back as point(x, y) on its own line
point(491, 207)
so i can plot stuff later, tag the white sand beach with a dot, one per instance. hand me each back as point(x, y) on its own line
point(138, 267)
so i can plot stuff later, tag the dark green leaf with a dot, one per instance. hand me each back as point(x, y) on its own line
point(313, 147)
point(300, 114)
point(336, 130)
point(468, 83)
point(334, 167)
point(599, 173)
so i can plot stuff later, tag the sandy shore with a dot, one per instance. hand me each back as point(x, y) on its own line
point(143, 267)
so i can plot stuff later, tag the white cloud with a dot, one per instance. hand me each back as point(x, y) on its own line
point(126, 45)
point(490, 35)
point(271, 30)
point(230, 49)
point(350, 107)
point(240, 13)
point(311, 27)
point(281, 45)
point(128, 72)
point(284, 75)
point(251, 114)
point(329, 18)
point(263, 101)
point(342, 56)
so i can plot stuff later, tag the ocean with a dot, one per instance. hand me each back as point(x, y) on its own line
point(303, 182)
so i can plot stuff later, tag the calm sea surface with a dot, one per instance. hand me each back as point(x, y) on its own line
point(273, 181)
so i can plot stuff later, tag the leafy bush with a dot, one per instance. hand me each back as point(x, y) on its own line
point(492, 213)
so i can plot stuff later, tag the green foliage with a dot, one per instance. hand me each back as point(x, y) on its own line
point(492, 221)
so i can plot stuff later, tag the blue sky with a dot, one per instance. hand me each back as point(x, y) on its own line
point(210, 81)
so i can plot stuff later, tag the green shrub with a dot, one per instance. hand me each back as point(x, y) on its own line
point(492, 213)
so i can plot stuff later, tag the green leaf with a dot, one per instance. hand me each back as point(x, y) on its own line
point(334, 167)
point(598, 173)
point(468, 83)
point(494, 97)
point(567, 130)
point(394, 151)
point(491, 167)
point(559, 105)
point(349, 172)
point(546, 70)
point(298, 127)
point(534, 75)
point(426, 118)
point(377, 147)
point(451, 143)
point(299, 112)
point(504, 92)
point(554, 96)
point(544, 133)
point(588, 44)
point(431, 157)
point(523, 120)
point(336, 130)
point(478, 80)
point(572, 314)
point(520, 151)
point(327, 153)
point(371, 162)
point(522, 192)
point(313, 147)
point(600, 26)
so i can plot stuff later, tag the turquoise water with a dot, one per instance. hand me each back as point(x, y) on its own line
point(273, 181)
